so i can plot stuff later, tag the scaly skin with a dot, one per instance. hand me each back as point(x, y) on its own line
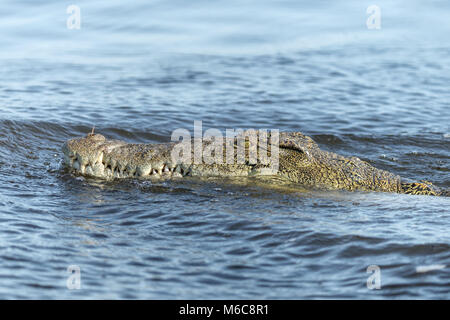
point(300, 161)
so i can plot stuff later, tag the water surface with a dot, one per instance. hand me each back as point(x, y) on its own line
point(140, 70)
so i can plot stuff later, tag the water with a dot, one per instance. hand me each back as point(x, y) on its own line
point(141, 70)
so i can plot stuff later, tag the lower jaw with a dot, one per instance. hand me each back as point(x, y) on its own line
point(109, 175)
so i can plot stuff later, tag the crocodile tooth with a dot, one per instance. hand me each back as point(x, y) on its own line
point(112, 163)
point(100, 158)
point(142, 171)
point(131, 169)
point(89, 170)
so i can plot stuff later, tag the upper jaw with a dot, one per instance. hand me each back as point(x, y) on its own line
point(95, 156)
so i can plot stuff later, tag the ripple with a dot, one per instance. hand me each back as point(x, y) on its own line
point(382, 97)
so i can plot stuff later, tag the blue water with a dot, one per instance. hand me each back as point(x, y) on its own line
point(138, 71)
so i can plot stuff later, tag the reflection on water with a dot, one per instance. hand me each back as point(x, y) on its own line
point(141, 70)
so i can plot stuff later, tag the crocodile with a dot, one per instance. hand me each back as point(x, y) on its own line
point(293, 157)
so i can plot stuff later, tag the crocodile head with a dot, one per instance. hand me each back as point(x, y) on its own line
point(94, 155)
